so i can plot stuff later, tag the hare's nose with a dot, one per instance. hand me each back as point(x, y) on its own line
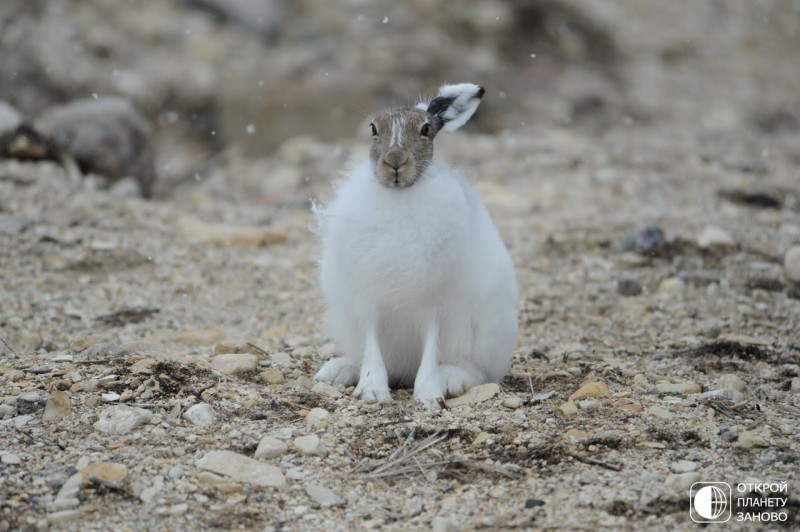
point(395, 162)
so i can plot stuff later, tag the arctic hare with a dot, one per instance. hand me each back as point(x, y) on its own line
point(418, 285)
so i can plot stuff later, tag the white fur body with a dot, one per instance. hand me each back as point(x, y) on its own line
point(415, 269)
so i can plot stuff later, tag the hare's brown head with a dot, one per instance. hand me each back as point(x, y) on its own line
point(402, 138)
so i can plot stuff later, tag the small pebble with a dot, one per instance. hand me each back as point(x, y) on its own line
point(728, 393)
point(684, 388)
point(10, 459)
point(748, 440)
point(731, 381)
point(671, 284)
point(682, 481)
point(575, 435)
point(323, 388)
point(108, 473)
point(640, 240)
point(591, 389)
point(629, 287)
point(323, 496)
point(661, 413)
point(791, 264)
point(200, 415)
point(310, 445)
point(272, 376)
point(282, 359)
point(683, 466)
point(57, 407)
point(714, 237)
point(512, 402)
point(317, 415)
point(234, 363)
point(443, 524)
point(270, 447)
point(569, 408)
point(111, 397)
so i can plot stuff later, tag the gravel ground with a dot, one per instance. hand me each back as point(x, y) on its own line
point(156, 356)
point(604, 419)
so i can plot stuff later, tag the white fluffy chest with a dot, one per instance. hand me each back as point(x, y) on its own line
point(405, 241)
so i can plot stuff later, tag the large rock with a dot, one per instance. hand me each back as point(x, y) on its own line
point(243, 469)
point(121, 419)
point(106, 136)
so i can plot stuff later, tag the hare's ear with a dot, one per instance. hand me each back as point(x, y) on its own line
point(454, 105)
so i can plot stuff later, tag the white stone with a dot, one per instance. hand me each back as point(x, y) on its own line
point(712, 236)
point(10, 459)
point(282, 359)
point(442, 524)
point(731, 381)
point(200, 415)
point(316, 415)
point(234, 363)
point(679, 387)
point(63, 516)
point(67, 496)
point(323, 388)
point(476, 394)
point(310, 445)
point(111, 397)
point(121, 419)
point(270, 447)
point(791, 264)
point(682, 481)
point(512, 402)
point(323, 496)
point(728, 393)
point(21, 421)
point(242, 469)
point(149, 493)
point(683, 466)
point(659, 412)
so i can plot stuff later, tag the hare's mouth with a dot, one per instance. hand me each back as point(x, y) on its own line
point(396, 178)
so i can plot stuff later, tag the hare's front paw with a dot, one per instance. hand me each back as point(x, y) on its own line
point(428, 391)
point(338, 371)
point(373, 390)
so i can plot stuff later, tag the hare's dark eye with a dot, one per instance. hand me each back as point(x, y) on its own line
point(424, 130)
point(374, 130)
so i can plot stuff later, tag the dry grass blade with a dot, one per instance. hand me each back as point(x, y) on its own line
point(727, 408)
point(403, 460)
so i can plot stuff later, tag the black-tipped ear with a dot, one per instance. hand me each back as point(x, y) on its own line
point(455, 104)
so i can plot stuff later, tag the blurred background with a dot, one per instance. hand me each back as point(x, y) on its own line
point(253, 74)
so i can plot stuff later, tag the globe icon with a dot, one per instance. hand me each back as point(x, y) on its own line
point(710, 502)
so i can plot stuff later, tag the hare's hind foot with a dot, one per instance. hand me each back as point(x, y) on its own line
point(451, 381)
point(338, 371)
point(456, 380)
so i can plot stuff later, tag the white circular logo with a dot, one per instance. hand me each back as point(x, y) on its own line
point(710, 502)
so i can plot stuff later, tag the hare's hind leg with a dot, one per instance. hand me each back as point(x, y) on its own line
point(339, 370)
point(373, 382)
